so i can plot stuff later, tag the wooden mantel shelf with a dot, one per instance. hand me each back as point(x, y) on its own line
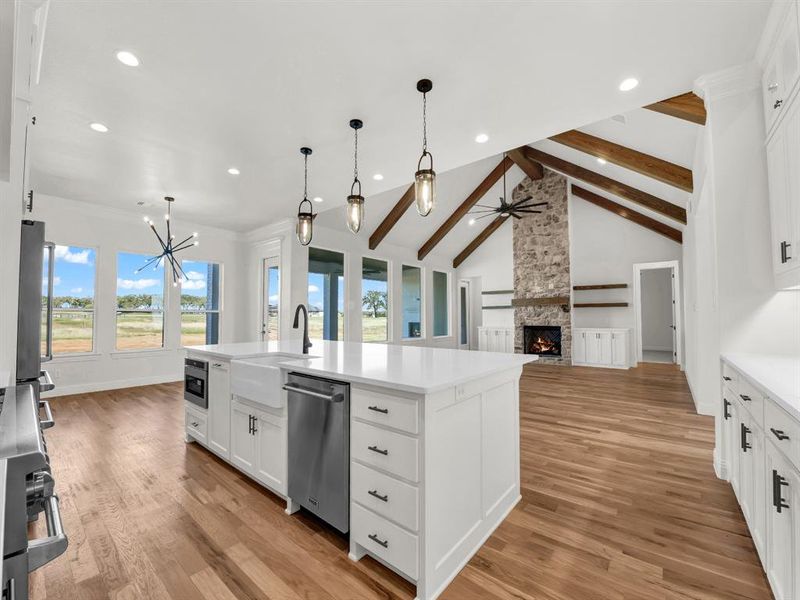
point(540, 301)
point(600, 286)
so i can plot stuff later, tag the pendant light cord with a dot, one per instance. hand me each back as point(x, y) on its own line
point(505, 158)
point(424, 122)
point(305, 177)
point(355, 161)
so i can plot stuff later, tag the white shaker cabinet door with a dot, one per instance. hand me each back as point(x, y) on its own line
point(219, 408)
point(579, 347)
point(243, 440)
point(782, 553)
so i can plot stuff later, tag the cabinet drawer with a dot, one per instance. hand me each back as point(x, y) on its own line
point(387, 450)
point(387, 496)
point(385, 540)
point(783, 430)
point(730, 378)
point(196, 425)
point(752, 400)
point(391, 411)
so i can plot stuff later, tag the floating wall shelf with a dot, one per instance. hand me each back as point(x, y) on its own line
point(600, 286)
point(497, 307)
point(600, 304)
point(489, 292)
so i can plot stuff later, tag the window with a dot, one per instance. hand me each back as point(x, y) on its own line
point(140, 303)
point(73, 300)
point(270, 326)
point(441, 307)
point(374, 300)
point(325, 294)
point(200, 295)
point(412, 302)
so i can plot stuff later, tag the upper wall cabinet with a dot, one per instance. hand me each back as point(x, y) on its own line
point(781, 74)
point(782, 67)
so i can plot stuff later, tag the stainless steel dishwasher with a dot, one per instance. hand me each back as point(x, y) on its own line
point(319, 447)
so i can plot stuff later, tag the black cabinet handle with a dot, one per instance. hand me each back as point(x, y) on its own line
point(785, 252)
point(384, 411)
point(779, 434)
point(250, 425)
point(726, 378)
point(745, 398)
point(377, 540)
point(725, 405)
point(777, 496)
point(744, 432)
point(777, 104)
point(378, 450)
point(375, 494)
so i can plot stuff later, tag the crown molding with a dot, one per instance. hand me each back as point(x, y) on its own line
point(728, 82)
point(266, 233)
point(46, 202)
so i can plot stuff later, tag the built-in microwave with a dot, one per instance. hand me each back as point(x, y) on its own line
point(195, 382)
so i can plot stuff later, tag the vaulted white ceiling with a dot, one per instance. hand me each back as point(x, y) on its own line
point(246, 84)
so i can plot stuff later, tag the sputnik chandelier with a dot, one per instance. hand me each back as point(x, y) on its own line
point(169, 248)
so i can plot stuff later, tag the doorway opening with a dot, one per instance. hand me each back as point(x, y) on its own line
point(656, 291)
point(271, 299)
point(464, 316)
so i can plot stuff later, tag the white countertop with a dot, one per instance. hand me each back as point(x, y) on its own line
point(779, 376)
point(415, 369)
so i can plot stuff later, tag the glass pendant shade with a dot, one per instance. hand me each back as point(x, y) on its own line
point(305, 224)
point(425, 187)
point(355, 212)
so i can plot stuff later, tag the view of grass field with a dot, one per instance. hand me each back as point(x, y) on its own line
point(373, 328)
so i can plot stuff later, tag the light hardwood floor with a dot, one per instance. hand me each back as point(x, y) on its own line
point(619, 501)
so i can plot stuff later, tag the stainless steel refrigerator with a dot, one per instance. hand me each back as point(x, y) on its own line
point(30, 354)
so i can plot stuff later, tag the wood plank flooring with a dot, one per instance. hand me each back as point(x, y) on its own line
point(619, 501)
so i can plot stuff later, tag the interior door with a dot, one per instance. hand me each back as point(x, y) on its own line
point(271, 299)
point(674, 318)
point(464, 321)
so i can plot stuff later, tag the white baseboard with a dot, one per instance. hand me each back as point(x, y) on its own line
point(85, 388)
point(658, 348)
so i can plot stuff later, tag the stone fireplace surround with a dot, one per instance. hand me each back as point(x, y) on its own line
point(542, 261)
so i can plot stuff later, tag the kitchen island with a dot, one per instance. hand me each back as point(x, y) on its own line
point(434, 441)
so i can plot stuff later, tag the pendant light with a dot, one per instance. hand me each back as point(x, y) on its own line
point(305, 218)
point(355, 202)
point(168, 250)
point(425, 179)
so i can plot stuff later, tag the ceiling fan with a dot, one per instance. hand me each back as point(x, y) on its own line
point(507, 209)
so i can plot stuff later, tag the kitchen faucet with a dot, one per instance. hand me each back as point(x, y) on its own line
point(306, 341)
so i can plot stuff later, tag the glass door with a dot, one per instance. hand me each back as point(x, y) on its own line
point(271, 300)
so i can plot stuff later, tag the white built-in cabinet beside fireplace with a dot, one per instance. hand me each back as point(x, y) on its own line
point(496, 339)
point(601, 348)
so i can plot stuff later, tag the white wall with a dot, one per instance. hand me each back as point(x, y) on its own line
point(294, 262)
point(109, 231)
point(603, 249)
point(656, 290)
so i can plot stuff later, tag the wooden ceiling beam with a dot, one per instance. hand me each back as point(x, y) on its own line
point(627, 213)
point(611, 186)
point(688, 107)
point(531, 168)
point(639, 162)
point(392, 218)
point(464, 208)
point(481, 237)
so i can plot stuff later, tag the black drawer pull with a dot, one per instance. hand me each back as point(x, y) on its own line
point(378, 450)
point(384, 411)
point(379, 541)
point(745, 398)
point(375, 494)
point(726, 378)
point(744, 432)
point(777, 497)
point(779, 434)
point(725, 412)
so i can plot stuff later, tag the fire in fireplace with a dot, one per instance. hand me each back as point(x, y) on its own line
point(544, 340)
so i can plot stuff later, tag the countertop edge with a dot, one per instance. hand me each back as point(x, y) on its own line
point(790, 406)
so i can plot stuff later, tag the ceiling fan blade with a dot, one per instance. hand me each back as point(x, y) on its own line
point(528, 211)
point(484, 206)
point(515, 215)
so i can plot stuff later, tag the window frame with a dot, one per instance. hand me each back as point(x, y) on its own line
point(94, 351)
point(389, 300)
point(345, 286)
point(447, 300)
point(165, 329)
point(218, 311)
point(422, 304)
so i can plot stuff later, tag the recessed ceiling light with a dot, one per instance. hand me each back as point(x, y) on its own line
point(602, 161)
point(317, 199)
point(481, 138)
point(472, 221)
point(377, 177)
point(99, 127)
point(628, 84)
point(233, 171)
point(127, 58)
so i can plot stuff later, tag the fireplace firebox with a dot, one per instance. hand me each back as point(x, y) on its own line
point(544, 340)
